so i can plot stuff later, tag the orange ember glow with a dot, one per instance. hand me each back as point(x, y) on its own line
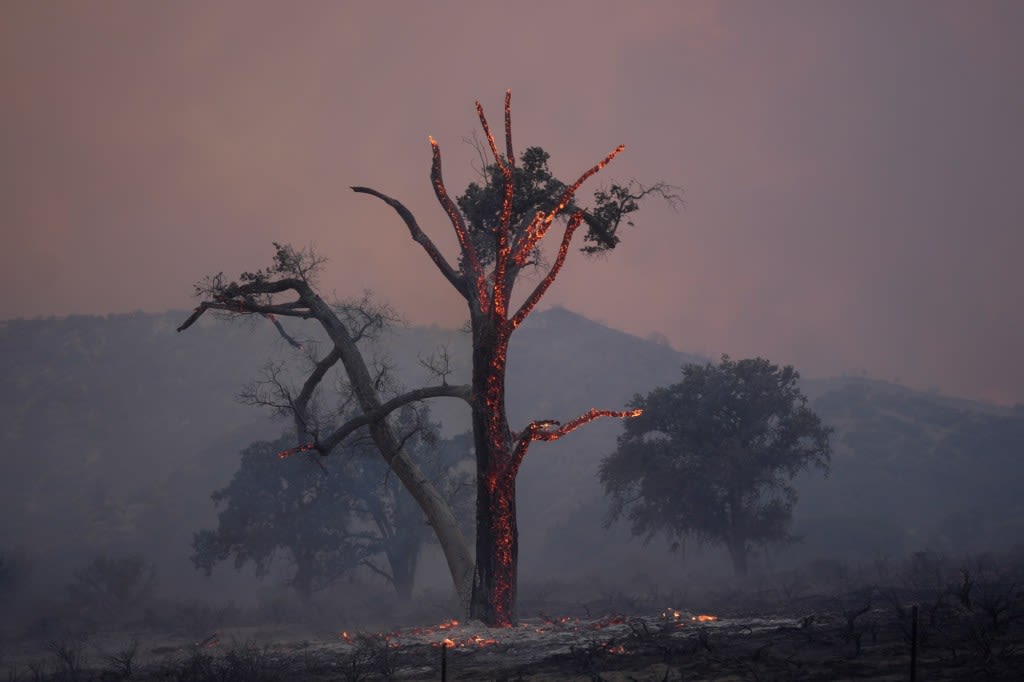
point(679, 616)
point(285, 454)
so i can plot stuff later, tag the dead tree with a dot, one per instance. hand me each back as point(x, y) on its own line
point(485, 280)
point(260, 293)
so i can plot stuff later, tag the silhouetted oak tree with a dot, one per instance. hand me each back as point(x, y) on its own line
point(713, 456)
point(332, 518)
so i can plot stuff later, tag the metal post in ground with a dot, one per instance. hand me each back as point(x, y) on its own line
point(913, 644)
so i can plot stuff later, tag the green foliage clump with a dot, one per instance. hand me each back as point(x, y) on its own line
point(538, 190)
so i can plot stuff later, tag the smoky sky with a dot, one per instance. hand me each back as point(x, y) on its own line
point(852, 171)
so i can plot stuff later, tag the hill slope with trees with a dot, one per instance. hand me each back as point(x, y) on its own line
point(115, 431)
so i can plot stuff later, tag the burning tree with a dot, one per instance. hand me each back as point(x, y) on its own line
point(492, 255)
point(499, 230)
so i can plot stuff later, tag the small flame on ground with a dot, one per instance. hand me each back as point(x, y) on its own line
point(679, 616)
point(444, 635)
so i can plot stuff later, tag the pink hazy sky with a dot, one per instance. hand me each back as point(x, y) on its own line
point(852, 170)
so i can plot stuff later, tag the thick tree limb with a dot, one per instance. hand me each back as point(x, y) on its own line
point(456, 279)
point(469, 256)
point(263, 286)
point(550, 430)
point(382, 411)
point(544, 284)
point(509, 153)
point(301, 401)
point(502, 285)
point(241, 307)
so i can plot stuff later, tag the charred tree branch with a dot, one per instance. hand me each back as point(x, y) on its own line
point(390, 406)
point(544, 284)
point(456, 279)
point(469, 255)
point(551, 430)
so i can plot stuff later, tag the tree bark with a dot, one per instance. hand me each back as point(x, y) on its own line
point(430, 500)
point(497, 537)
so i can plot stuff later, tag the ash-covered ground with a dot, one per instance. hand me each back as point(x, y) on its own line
point(790, 626)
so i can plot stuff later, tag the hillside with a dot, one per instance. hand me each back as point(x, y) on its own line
point(116, 429)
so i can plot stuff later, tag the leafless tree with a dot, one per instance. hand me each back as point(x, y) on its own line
point(286, 289)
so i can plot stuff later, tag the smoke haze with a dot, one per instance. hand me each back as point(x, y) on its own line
point(851, 170)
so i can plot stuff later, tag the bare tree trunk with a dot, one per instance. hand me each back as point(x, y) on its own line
point(402, 561)
point(737, 541)
point(426, 494)
point(739, 552)
point(497, 536)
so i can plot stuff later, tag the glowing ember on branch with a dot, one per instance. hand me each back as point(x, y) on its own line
point(285, 454)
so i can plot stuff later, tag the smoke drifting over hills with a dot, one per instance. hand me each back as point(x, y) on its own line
point(117, 429)
point(851, 170)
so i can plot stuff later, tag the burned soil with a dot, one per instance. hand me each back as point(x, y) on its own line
point(969, 629)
